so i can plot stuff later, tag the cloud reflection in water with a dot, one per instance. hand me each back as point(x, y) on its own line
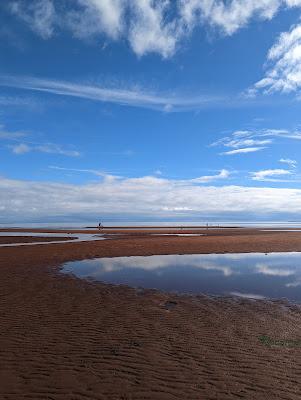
point(254, 275)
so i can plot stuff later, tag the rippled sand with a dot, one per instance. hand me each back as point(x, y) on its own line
point(66, 338)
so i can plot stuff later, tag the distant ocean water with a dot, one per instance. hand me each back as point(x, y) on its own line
point(83, 225)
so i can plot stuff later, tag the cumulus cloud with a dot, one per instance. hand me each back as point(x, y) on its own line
point(227, 15)
point(96, 17)
point(149, 29)
point(148, 25)
point(143, 196)
point(284, 65)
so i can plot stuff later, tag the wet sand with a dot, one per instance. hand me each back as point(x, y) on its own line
point(66, 338)
point(30, 239)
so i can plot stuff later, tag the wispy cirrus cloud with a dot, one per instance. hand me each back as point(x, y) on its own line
point(124, 95)
point(289, 162)
point(96, 172)
point(250, 141)
point(20, 148)
point(270, 175)
point(13, 101)
point(9, 135)
point(50, 148)
point(22, 144)
point(221, 175)
point(39, 15)
point(243, 150)
point(128, 97)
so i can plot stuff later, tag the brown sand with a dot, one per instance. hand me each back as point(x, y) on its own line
point(66, 338)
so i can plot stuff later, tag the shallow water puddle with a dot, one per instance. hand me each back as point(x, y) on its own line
point(253, 275)
point(179, 234)
point(71, 237)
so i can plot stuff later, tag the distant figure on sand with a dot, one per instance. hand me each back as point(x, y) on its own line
point(100, 226)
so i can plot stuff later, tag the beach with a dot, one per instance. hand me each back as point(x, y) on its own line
point(62, 337)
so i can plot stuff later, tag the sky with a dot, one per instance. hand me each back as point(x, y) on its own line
point(125, 110)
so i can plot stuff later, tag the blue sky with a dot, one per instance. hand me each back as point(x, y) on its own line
point(186, 109)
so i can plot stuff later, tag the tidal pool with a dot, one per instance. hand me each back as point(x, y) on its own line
point(252, 275)
point(73, 237)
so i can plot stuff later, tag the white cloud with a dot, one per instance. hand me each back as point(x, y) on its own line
point(129, 97)
point(97, 17)
point(238, 143)
point(294, 284)
point(143, 23)
point(23, 144)
point(55, 149)
point(148, 25)
point(144, 196)
point(157, 262)
point(223, 174)
point(38, 14)
point(10, 101)
point(258, 137)
point(268, 175)
point(288, 161)
point(280, 133)
point(270, 271)
point(228, 16)
point(21, 148)
point(150, 31)
point(248, 295)
point(243, 150)
point(250, 141)
point(50, 148)
point(284, 65)
point(82, 170)
point(7, 135)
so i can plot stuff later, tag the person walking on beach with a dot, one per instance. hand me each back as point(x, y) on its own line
point(100, 226)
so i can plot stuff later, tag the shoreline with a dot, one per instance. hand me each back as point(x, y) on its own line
point(145, 243)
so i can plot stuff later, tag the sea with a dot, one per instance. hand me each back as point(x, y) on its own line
point(151, 224)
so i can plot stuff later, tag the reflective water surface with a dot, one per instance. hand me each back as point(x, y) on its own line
point(71, 237)
point(255, 275)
